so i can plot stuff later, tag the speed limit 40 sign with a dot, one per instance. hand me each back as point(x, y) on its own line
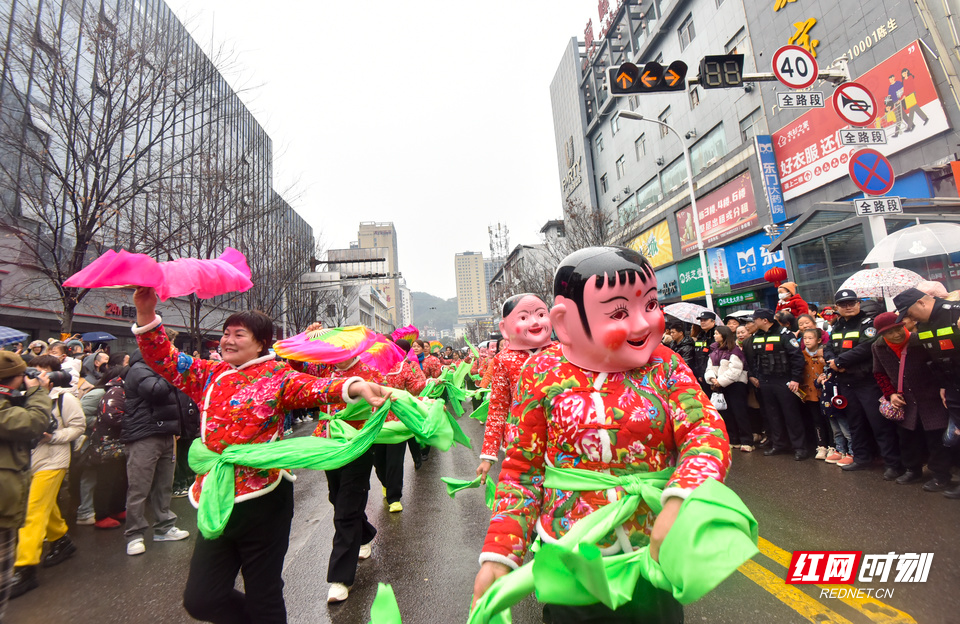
point(795, 67)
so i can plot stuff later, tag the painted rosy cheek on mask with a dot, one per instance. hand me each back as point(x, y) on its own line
point(614, 338)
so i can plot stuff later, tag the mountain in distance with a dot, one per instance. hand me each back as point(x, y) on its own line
point(433, 311)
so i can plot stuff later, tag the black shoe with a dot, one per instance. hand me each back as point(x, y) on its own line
point(417, 463)
point(856, 466)
point(60, 551)
point(775, 451)
point(892, 474)
point(801, 455)
point(910, 476)
point(937, 484)
point(24, 579)
point(953, 492)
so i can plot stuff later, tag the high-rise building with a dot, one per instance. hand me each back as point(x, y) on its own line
point(383, 235)
point(471, 286)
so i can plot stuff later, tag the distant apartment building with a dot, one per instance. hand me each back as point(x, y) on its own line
point(383, 235)
point(471, 286)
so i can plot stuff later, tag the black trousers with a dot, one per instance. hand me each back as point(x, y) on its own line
point(784, 415)
point(388, 462)
point(254, 543)
point(183, 476)
point(349, 487)
point(110, 493)
point(867, 424)
point(736, 417)
point(919, 444)
point(816, 426)
point(648, 606)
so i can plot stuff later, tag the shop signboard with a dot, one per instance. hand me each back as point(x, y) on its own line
point(719, 275)
point(655, 243)
point(748, 260)
point(725, 213)
point(668, 283)
point(690, 276)
point(807, 150)
point(738, 299)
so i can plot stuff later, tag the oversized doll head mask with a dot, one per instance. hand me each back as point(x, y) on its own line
point(605, 312)
point(526, 322)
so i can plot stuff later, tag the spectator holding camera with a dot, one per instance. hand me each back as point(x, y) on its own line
point(23, 418)
point(49, 462)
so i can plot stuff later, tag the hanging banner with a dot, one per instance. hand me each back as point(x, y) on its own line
point(770, 177)
point(807, 150)
point(691, 279)
point(655, 244)
point(724, 214)
point(668, 284)
point(719, 275)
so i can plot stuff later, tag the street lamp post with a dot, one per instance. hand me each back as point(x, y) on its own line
point(693, 198)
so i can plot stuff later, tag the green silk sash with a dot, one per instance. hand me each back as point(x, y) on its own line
point(458, 485)
point(427, 420)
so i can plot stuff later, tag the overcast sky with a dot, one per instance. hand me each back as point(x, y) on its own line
point(433, 115)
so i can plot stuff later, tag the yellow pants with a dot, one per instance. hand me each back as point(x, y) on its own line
point(43, 517)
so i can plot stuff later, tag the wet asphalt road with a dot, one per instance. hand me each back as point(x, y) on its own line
point(428, 552)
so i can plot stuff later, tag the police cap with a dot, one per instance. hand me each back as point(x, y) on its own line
point(763, 313)
point(906, 299)
point(845, 294)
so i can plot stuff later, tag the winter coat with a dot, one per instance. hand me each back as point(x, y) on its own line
point(154, 406)
point(813, 366)
point(38, 343)
point(920, 389)
point(794, 305)
point(55, 454)
point(731, 369)
point(685, 349)
point(21, 422)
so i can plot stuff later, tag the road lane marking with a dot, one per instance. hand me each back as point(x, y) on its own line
point(878, 612)
point(791, 596)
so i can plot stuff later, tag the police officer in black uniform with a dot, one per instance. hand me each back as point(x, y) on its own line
point(701, 347)
point(938, 329)
point(776, 368)
point(850, 355)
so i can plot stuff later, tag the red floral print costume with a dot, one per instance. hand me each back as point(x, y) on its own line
point(432, 367)
point(504, 378)
point(238, 405)
point(357, 369)
point(653, 417)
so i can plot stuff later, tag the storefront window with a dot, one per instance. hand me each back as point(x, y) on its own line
point(821, 265)
point(709, 149)
point(648, 195)
point(674, 175)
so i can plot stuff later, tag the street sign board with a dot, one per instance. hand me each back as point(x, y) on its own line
point(862, 137)
point(878, 206)
point(805, 99)
point(871, 172)
point(795, 67)
point(855, 104)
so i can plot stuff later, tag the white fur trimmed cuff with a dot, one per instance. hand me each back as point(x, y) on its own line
point(674, 492)
point(489, 458)
point(507, 561)
point(148, 327)
point(345, 391)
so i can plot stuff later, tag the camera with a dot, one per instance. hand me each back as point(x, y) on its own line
point(58, 379)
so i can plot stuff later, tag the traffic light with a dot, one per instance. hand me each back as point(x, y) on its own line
point(721, 71)
point(629, 79)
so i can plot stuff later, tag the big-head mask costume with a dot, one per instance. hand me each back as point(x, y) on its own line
point(605, 313)
point(526, 322)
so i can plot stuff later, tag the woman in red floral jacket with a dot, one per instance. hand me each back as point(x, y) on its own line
point(243, 401)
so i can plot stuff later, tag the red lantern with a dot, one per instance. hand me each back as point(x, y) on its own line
point(776, 276)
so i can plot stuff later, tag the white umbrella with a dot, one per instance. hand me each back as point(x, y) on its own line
point(917, 241)
point(686, 312)
point(742, 314)
point(882, 282)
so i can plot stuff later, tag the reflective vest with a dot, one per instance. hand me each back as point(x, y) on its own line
point(701, 356)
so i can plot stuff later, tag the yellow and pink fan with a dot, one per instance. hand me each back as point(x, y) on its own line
point(382, 355)
point(327, 346)
point(408, 333)
point(436, 346)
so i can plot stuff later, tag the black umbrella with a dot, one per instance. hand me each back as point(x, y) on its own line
point(97, 336)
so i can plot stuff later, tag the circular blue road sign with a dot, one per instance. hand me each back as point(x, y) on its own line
point(871, 172)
